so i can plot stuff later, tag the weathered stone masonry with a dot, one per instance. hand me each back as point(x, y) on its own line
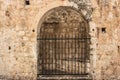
point(20, 23)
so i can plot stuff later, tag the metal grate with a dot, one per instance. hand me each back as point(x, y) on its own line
point(64, 54)
point(63, 43)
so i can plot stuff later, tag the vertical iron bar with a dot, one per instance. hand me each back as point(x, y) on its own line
point(81, 48)
point(85, 47)
point(68, 54)
point(48, 51)
point(43, 55)
point(46, 57)
point(75, 55)
point(65, 53)
point(72, 54)
point(55, 54)
point(78, 53)
point(52, 43)
point(49, 56)
point(62, 54)
point(58, 56)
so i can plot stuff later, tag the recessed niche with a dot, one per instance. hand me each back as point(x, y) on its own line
point(93, 29)
point(33, 30)
point(114, 7)
point(23, 44)
point(27, 2)
point(98, 31)
point(7, 13)
point(103, 30)
point(118, 49)
point(16, 58)
point(9, 48)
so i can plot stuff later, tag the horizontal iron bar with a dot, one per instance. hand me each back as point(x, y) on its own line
point(65, 75)
point(61, 38)
point(78, 60)
point(72, 59)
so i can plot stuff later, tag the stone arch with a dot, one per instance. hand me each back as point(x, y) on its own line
point(48, 13)
point(77, 18)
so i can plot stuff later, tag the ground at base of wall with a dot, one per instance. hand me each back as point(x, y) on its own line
point(15, 78)
point(64, 78)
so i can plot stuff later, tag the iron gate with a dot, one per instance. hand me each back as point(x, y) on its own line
point(63, 55)
point(63, 43)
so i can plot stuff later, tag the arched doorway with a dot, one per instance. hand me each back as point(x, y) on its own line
point(63, 43)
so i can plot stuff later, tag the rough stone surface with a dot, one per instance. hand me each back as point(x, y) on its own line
point(19, 25)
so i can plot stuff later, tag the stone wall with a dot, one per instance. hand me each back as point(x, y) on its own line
point(18, 37)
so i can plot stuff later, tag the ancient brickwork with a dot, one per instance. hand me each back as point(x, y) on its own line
point(20, 25)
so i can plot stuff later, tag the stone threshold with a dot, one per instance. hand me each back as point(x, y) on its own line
point(63, 77)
